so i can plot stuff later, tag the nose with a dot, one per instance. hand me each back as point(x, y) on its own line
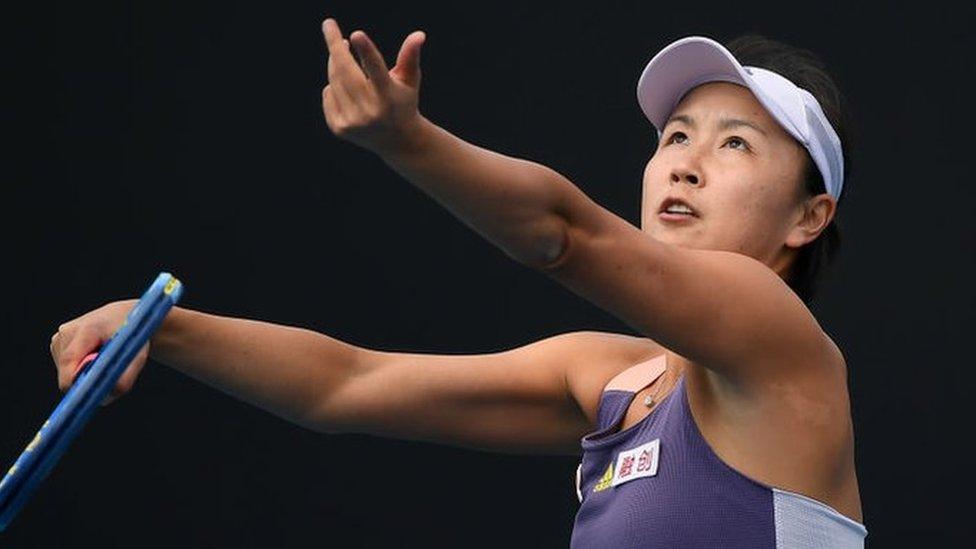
point(683, 173)
point(685, 168)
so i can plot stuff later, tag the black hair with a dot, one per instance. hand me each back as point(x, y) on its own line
point(808, 71)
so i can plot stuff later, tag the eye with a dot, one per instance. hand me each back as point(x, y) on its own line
point(734, 139)
point(672, 136)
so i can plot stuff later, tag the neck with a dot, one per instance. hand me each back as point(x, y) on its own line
point(783, 263)
point(676, 365)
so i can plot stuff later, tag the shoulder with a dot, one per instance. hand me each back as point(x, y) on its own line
point(808, 388)
point(790, 428)
point(596, 358)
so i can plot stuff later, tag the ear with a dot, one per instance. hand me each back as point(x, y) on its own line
point(813, 216)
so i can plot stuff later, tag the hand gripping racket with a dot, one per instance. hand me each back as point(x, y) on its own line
point(99, 373)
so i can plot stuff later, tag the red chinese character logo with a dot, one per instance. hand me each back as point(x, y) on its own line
point(644, 463)
point(627, 466)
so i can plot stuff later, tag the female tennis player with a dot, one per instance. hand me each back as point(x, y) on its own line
point(725, 423)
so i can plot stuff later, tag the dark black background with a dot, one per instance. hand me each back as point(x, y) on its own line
point(188, 136)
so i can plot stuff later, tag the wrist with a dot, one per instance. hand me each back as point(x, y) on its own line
point(407, 142)
point(167, 336)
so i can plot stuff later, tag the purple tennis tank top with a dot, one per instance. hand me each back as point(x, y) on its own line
point(659, 484)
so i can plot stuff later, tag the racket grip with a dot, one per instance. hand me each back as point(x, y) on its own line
point(82, 368)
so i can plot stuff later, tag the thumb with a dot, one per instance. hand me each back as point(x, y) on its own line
point(407, 68)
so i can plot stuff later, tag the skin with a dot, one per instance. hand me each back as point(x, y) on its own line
point(771, 403)
point(745, 186)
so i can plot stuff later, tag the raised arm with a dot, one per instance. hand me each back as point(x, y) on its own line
point(509, 201)
point(723, 310)
point(726, 311)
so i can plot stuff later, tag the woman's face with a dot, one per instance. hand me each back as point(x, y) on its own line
point(742, 181)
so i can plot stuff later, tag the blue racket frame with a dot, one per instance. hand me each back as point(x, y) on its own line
point(91, 386)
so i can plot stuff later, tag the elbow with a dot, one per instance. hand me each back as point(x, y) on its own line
point(317, 422)
point(549, 245)
point(543, 242)
point(555, 251)
point(573, 218)
point(333, 397)
point(550, 248)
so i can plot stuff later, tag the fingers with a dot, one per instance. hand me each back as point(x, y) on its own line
point(128, 378)
point(57, 351)
point(367, 104)
point(340, 94)
point(332, 32)
point(344, 72)
point(407, 66)
point(65, 345)
point(69, 346)
point(78, 341)
point(373, 64)
point(330, 108)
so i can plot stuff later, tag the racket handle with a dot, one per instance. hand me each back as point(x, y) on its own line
point(82, 369)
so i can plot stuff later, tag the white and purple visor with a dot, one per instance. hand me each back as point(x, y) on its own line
point(694, 60)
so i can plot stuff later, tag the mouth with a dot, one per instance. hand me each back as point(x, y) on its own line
point(676, 210)
point(677, 217)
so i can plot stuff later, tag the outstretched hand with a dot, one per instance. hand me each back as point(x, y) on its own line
point(371, 105)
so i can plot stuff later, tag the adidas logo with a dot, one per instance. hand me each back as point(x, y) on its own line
point(605, 480)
